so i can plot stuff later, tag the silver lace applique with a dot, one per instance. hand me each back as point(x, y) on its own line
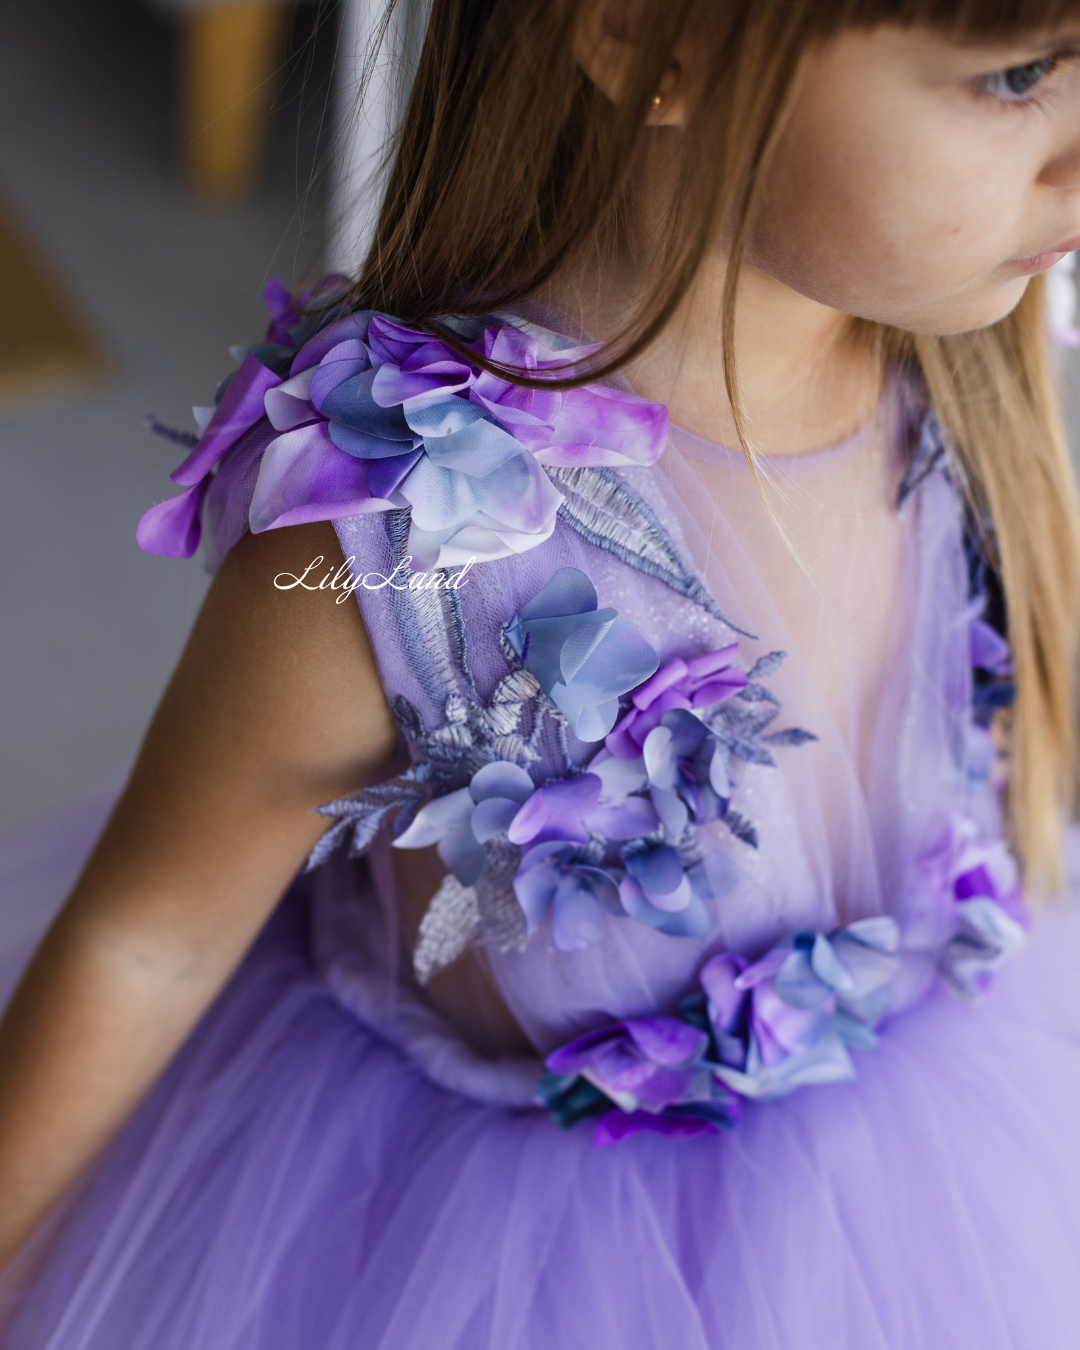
point(501, 919)
point(472, 733)
point(449, 926)
point(361, 814)
point(741, 726)
point(459, 916)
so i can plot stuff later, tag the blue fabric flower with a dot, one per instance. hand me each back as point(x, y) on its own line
point(554, 875)
point(983, 915)
point(461, 823)
point(582, 656)
point(374, 415)
point(573, 809)
point(658, 892)
point(787, 1020)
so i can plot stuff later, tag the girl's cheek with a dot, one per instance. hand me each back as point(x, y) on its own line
point(931, 268)
point(891, 204)
point(911, 230)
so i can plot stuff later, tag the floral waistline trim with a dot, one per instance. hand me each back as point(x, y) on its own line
point(757, 1031)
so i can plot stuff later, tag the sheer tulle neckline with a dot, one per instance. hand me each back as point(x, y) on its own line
point(699, 447)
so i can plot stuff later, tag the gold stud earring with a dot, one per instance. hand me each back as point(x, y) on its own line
point(657, 101)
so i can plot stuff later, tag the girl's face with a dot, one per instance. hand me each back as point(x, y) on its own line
point(922, 181)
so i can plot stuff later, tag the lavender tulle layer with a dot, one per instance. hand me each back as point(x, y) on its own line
point(295, 1182)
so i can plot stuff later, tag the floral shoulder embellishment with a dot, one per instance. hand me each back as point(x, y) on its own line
point(372, 415)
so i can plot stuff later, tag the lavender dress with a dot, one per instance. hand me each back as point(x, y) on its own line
point(328, 1164)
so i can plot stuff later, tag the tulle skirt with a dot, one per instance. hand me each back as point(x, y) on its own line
point(295, 1183)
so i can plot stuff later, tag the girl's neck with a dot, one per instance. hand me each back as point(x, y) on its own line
point(807, 376)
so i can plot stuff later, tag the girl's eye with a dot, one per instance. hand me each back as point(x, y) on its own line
point(1015, 84)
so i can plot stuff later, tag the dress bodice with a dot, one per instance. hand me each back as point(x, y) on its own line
point(868, 604)
point(816, 642)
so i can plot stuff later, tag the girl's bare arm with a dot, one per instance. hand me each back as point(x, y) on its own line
point(275, 707)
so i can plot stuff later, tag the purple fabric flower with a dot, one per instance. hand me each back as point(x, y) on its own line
point(557, 811)
point(174, 527)
point(653, 1069)
point(986, 937)
point(583, 657)
point(287, 314)
point(646, 1063)
point(461, 823)
point(658, 888)
point(395, 400)
point(979, 920)
point(992, 689)
point(593, 425)
point(620, 813)
point(555, 824)
point(989, 650)
point(656, 872)
point(283, 313)
point(375, 415)
point(598, 808)
point(592, 811)
point(981, 868)
point(593, 803)
point(616, 1125)
point(690, 684)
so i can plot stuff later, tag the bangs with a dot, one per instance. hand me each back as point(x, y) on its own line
point(994, 19)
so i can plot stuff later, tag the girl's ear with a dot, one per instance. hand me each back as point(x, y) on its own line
point(605, 51)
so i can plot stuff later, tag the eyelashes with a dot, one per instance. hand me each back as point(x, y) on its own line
point(1019, 85)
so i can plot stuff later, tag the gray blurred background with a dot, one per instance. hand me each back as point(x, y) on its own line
point(163, 278)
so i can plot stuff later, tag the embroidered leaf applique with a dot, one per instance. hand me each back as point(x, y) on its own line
point(601, 506)
point(363, 813)
point(470, 736)
point(741, 725)
point(929, 457)
point(790, 736)
point(741, 828)
point(450, 925)
point(765, 666)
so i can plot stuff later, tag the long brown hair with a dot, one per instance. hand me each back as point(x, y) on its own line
point(510, 163)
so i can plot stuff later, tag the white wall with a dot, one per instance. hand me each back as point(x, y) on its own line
point(365, 124)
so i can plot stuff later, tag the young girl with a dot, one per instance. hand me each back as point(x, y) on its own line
point(646, 599)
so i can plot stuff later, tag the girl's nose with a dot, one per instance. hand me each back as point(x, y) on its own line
point(1063, 170)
